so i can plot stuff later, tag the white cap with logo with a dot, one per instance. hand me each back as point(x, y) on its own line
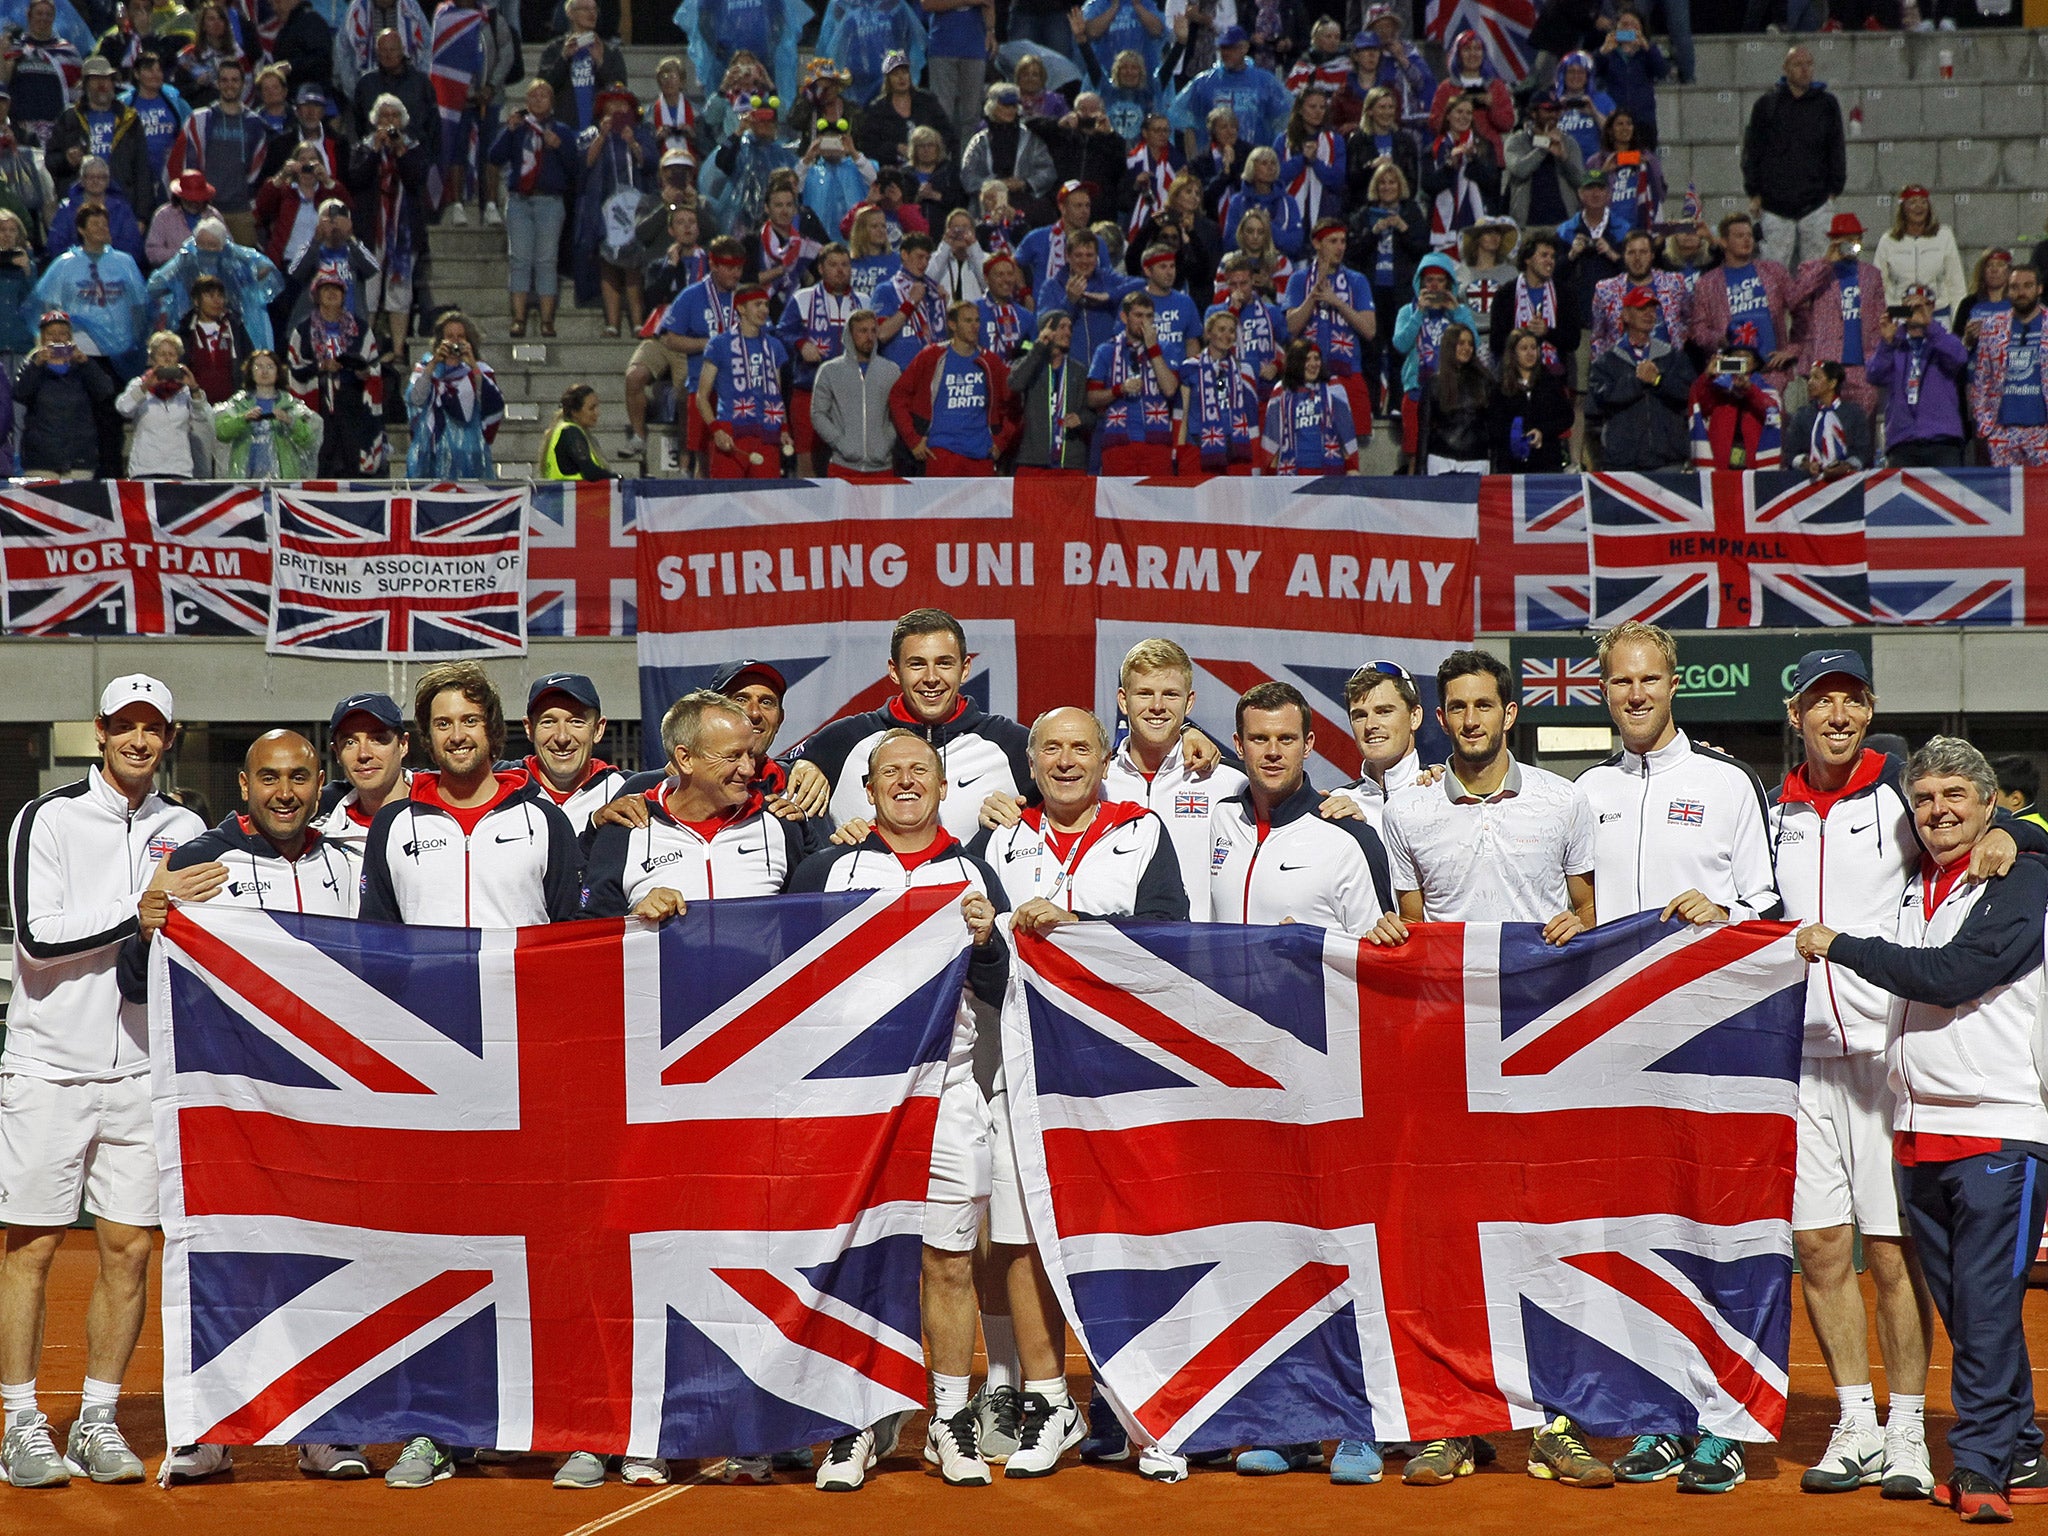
point(136, 688)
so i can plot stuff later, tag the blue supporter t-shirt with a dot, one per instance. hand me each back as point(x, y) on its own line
point(1749, 309)
point(2022, 404)
point(159, 128)
point(1849, 279)
point(749, 382)
point(957, 34)
point(960, 407)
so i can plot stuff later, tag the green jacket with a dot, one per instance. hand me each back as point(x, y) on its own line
point(294, 435)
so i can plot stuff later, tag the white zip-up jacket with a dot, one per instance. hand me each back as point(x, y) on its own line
point(1123, 865)
point(324, 880)
point(78, 859)
point(343, 824)
point(1846, 868)
point(1330, 873)
point(1183, 803)
point(1966, 1057)
point(601, 784)
point(1681, 818)
point(1371, 798)
point(513, 864)
point(751, 853)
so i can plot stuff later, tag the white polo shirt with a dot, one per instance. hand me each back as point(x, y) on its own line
point(1501, 859)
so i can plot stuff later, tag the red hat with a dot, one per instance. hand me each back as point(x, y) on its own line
point(1158, 258)
point(1845, 226)
point(1915, 190)
point(1329, 224)
point(748, 295)
point(612, 94)
point(1644, 297)
point(1000, 259)
point(1069, 188)
point(193, 187)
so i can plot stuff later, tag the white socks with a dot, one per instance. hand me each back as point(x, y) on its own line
point(1000, 1335)
point(1053, 1390)
point(949, 1394)
point(100, 1394)
point(1859, 1405)
point(18, 1400)
point(1907, 1410)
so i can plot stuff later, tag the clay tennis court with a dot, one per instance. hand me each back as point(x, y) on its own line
point(265, 1495)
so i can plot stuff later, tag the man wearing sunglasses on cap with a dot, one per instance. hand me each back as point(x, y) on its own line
point(1385, 708)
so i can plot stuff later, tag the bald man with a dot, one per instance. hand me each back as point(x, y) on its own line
point(270, 856)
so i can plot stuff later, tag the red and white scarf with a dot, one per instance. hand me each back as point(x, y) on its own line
point(1538, 303)
point(1305, 187)
point(672, 124)
point(787, 252)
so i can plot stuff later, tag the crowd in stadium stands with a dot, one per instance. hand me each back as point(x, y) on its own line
point(1113, 238)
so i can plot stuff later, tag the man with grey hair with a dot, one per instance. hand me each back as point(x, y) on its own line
point(100, 127)
point(1970, 1129)
point(1844, 1181)
point(1072, 856)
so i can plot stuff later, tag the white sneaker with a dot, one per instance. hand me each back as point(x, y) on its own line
point(635, 446)
point(343, 1463)
point(1046, 1434)
point(458, 215)
point(744, 1470)
point(643, 1471)
point(1854, 1459)
point(949, 1445)
point(492, 218)
point(1907, 1473)
point(189, 1463)
point(1162, 1466)
point(846, 1463)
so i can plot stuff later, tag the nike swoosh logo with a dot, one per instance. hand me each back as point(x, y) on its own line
point(1999, 1167)
point(963, 783)
point(1285, 868)
point(516, 837)
point(1864, 828)
point(1124, 850)
point(747, 850)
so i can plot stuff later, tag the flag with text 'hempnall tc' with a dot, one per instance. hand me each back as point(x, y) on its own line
point(1291, 1187)
point(595, 1185)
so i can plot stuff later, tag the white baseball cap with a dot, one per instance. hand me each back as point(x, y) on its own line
point(136, 688)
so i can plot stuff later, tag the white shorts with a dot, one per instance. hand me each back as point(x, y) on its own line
point(63, 1143)
point(1008, 1221)
point(958, 1195)
point(1845, 1147)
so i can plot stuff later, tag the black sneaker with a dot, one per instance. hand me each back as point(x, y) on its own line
point(2029, 1481)
point(1715, 1466)
point(1653, 1458)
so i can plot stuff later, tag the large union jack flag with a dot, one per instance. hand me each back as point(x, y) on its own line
point(134, 557)
point(1292, 1187)
point(410, 1187)
point(1952, 547)
point(409, 575)
point(1503, 25)
point(1727, 551)
point(1532, 553)
point(579, 558)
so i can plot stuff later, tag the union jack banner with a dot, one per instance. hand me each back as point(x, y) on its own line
point(406, 576)
point(579, 559)
point(680, 1216)
point(1727, 550)
point(1560, 681)
point(1532, 553)
point(1295, 580)
point(1503, 25)
point(1952, 547)
point(134, 557)
point(1538, 1180)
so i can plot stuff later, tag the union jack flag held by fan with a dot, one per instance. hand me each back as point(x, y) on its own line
point(428, 575)
point(1494, 1179)
point(1503, 25)
point(679, 1215)
point(134, 557)
point(1727, 551)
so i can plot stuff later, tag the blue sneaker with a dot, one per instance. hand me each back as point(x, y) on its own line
point(1356, 1461)
point(1269, 1460)
point(1106, 1440)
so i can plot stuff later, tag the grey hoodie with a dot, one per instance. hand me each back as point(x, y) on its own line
point(850, 408)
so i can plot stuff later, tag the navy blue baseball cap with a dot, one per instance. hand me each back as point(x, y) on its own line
point(731, 673)
point(1815, 665)
point(380, 707)
point(573, 685)
point(1232, 37)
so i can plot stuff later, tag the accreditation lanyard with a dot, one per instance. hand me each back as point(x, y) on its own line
point(1063, 881)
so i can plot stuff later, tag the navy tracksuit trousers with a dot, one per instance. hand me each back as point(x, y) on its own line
point(1977, 1222)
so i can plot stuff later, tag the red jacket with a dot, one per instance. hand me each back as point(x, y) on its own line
point(277, 209)
point(910, 398)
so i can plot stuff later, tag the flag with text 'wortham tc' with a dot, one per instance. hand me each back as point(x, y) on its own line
point(1292, 1187)
point(596, 1185)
